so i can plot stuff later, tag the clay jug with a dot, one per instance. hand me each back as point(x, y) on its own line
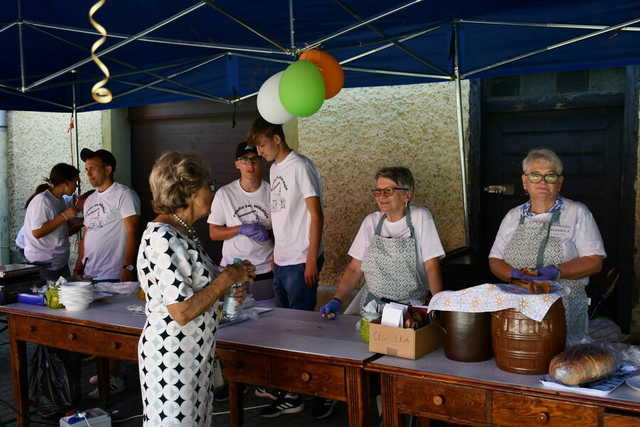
point(467, 336)
point(524, 346)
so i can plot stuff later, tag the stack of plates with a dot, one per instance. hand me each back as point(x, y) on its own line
point(76, 296)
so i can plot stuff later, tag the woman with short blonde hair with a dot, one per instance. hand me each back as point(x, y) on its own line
point(183, 290)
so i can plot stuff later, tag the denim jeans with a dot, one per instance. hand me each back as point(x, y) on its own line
point(290, 289)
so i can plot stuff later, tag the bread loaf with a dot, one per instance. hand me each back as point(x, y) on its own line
point(582, 363)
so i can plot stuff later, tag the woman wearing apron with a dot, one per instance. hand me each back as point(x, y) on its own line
point(397, 249)
point(555, 236)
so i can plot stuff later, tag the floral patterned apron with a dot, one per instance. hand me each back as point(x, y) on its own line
point(533, 246)
point(390, 267)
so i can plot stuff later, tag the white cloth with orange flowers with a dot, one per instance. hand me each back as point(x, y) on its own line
point(495, 297)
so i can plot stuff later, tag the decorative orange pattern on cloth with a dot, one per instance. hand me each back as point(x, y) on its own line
point(501, 296)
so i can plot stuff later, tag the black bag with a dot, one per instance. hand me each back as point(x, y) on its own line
point(49, 389)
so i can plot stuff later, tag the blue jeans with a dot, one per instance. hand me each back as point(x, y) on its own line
point(290, 289)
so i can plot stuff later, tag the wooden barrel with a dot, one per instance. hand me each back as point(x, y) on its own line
point(524, 346)
point(467, 336)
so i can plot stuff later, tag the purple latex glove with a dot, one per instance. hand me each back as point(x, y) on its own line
point(330, 309)
point(254, 231)
point(550, 272)
point(517, 274)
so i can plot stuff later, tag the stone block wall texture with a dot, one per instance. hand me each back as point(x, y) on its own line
point(364, 129)
point(37, 141)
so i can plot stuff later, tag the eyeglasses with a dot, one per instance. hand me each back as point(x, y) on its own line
point(550, 178)
point(247, 160)
point(377, 192)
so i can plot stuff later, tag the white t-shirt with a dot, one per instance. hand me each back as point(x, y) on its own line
point(54, 247)
point(576, 229)
point(233, 206)
point(20, 238)
point(105, 235)
point(426, 234)
point(292, 181)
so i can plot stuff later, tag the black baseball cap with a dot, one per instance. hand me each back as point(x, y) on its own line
point(244, 148)
point(106, 156)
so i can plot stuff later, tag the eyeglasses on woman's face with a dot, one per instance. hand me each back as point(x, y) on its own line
point(550, 178)
point(387, 192)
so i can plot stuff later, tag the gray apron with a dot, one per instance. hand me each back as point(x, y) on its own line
point(390, 267)
point(532, 246)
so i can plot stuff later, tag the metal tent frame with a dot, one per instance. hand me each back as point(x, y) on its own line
point(278, 53)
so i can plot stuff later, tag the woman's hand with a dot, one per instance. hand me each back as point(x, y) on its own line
point(240, 272)
point(69, 213)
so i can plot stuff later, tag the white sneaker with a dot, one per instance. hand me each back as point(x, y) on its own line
point(93, 380)
point(116, 385)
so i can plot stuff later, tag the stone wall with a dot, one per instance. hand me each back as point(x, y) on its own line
point(363, 129)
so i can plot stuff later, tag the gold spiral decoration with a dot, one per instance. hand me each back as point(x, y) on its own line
point(100, 93)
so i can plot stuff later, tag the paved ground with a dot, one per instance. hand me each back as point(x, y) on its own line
point(128, 404)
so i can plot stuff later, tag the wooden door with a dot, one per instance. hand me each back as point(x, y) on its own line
point(200, 127)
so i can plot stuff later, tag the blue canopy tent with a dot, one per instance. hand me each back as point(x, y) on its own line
point(222, 51)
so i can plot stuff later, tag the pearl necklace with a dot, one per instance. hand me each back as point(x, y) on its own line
point(191, 232)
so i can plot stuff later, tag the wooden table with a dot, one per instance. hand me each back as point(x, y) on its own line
point(289, 349)
point(297, 351)
point(480, 394)
point(106, 330)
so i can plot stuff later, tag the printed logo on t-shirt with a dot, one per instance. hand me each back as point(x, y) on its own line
point(278, 200)
point(95, 217)
point(252, 213)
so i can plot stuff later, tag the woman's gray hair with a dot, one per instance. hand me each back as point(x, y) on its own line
point(174, 178)
point(398, 174)
point(542, 154)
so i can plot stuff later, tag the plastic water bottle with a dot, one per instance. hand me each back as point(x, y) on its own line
point(231, 307)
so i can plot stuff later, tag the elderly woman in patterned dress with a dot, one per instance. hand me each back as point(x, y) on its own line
point(397, 249)
point(183, 291)
point(555, 236)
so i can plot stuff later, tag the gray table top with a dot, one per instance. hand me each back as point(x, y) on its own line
point(487, 371)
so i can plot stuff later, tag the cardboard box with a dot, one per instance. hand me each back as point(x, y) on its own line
point(401, 342)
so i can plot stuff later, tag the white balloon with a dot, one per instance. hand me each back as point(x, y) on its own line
point(269, 105)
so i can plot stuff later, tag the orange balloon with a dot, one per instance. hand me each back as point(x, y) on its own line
point(330, 69)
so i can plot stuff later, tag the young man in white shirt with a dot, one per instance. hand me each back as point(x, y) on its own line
point(109, 244)
point(240, 216)
point(297, 220)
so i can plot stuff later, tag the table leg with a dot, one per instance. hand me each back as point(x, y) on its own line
point(103, 380)
point(357, 397)
point(18, 354)
point(390, 415)
point(235, 404)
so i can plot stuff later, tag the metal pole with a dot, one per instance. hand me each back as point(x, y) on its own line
point(461, 142)
point(4, 190)
point(543, 24)
point(21, 47)
point(292, 31)
point(117, 45)
point(74, 113)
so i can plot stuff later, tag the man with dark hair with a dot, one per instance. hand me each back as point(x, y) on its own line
point(109, 244)
point(297, 220)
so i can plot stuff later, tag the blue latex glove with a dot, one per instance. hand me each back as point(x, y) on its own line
point(254, 231)
point(550, 272)
point(330, 309)
point(517, 274)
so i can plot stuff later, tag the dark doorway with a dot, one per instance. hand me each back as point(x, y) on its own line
point(588, 131)
point(200, 127)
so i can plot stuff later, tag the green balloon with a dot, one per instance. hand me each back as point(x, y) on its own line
point(302, 89)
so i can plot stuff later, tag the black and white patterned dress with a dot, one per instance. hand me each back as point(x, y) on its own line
point(175, 362)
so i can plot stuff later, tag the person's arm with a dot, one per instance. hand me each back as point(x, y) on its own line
point(315, 236)
point(54, 223)
point(578, 268)
point(434, 276)
point(185, 311)
point(500, 269)
point(222, 232)
point(130, 224)
point(349, 279)
point(78, 270)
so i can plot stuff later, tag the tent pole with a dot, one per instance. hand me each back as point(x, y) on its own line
point(461, 142)
point(292, 31)
point(552, 47)
point(21, 46)
point(544, 25)
point(74, 113)
point(117, 45)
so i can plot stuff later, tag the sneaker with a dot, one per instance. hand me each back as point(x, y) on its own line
point(93, 380)
point(284, 405)
point(116, 385)
point(322, 408)
point(267, 393)
point(221, 394)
